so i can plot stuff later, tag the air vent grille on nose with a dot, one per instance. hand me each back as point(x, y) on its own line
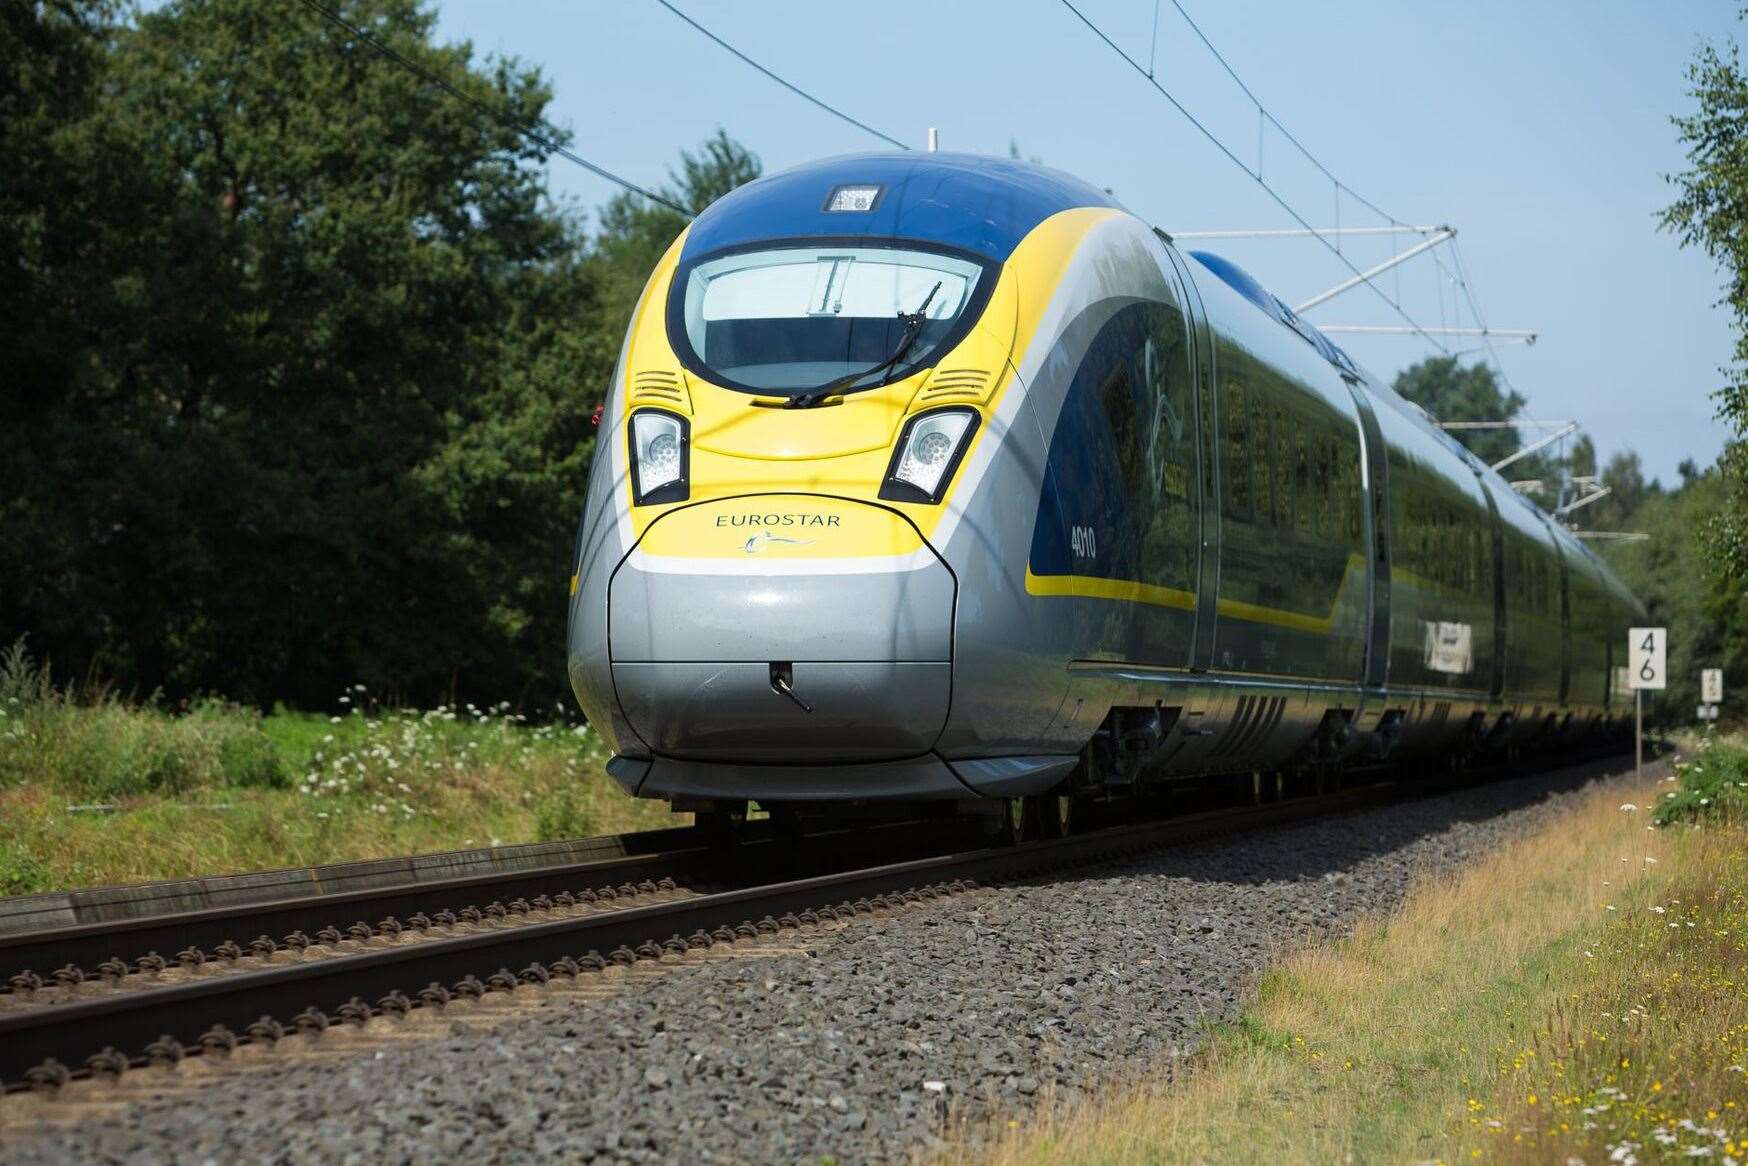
point(660, 387)
point(956, 384)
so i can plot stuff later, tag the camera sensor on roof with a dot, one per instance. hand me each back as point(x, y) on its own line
point(853, 198)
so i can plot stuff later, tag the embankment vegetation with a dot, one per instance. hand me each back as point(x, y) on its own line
point(1582, 995)
point(98, 789)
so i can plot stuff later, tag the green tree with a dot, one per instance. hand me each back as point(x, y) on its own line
point(1582, 460)
point(303, 355)
point(268, 475)
point(634, 232)
point(1711, 212)
point(1452, 391)
point(1624, 479)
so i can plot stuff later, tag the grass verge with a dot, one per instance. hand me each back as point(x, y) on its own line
point(96, 789)
point(1579, 995)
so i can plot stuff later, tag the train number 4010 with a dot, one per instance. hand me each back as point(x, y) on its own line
point(1084, 542)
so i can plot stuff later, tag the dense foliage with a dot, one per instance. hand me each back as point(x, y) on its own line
point(302, 354)
point(1711, 212)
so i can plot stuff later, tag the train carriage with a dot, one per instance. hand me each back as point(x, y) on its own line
point(942, 478)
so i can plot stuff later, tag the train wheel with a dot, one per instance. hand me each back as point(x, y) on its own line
point(1017, 819)
point(1056, 815)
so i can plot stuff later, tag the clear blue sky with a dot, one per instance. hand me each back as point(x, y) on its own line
point(1541, 131)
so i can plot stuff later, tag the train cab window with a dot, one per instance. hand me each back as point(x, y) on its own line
point(789, 319)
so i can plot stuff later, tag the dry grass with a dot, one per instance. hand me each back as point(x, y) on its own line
point(1481, 1021)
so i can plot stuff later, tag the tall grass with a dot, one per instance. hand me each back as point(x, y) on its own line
point(97, 746)
point(95, 788)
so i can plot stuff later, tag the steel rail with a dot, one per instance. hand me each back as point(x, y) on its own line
point(688, 856)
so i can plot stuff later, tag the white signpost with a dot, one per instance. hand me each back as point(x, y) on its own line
point(1647, 657)
point(1711, 692)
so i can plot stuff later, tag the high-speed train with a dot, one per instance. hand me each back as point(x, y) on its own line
point(939, 477)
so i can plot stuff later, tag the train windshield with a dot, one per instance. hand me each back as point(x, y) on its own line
point(786, 320)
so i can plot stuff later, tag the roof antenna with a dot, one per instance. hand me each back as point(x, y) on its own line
point(934, 139)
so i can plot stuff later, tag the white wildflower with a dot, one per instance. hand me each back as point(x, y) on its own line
point(1629, 807)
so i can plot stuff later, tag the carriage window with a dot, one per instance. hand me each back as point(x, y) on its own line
point(1165, 360)
point(1235, 468)
point(1118, 397)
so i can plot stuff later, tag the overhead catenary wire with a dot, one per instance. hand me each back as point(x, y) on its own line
point(1263, 110)
point(1459, 278)
point(534, 133)
point(1255, 175)
point(793, 88)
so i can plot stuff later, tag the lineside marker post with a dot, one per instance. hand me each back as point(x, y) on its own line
point(1647, 655)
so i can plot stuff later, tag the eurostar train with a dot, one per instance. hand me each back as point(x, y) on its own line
point(939, 477)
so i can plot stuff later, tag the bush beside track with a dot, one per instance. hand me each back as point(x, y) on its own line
point(96, 788)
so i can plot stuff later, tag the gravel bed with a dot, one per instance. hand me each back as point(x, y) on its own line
point(857, 1047)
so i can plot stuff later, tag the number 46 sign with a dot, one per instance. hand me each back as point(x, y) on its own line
point(1647, 655)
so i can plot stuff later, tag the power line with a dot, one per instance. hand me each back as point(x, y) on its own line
point(1255, 175)
point(1459, 278)
point(532, 132)
point(1274, 121)
point(795, 89)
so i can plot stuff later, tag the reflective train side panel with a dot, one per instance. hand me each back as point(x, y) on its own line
point(1109, 515)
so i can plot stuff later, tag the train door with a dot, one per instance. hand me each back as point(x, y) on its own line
point(1206, 449)
point(1565, 569)
point(1494, 525)
point(1377, 523)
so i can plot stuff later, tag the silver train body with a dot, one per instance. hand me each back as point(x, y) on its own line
point(1177, 532)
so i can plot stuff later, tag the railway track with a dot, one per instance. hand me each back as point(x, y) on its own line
point(104, 1032)
point(661, 863)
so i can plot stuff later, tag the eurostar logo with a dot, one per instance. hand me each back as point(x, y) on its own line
point(765, 538)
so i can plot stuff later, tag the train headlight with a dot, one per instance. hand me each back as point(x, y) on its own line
point(660, 457)
point(928, 452)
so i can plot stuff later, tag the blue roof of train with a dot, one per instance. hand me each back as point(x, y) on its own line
point(1245, 284)
point(978, 204)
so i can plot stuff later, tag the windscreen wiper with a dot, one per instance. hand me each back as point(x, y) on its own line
point(913, 327)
